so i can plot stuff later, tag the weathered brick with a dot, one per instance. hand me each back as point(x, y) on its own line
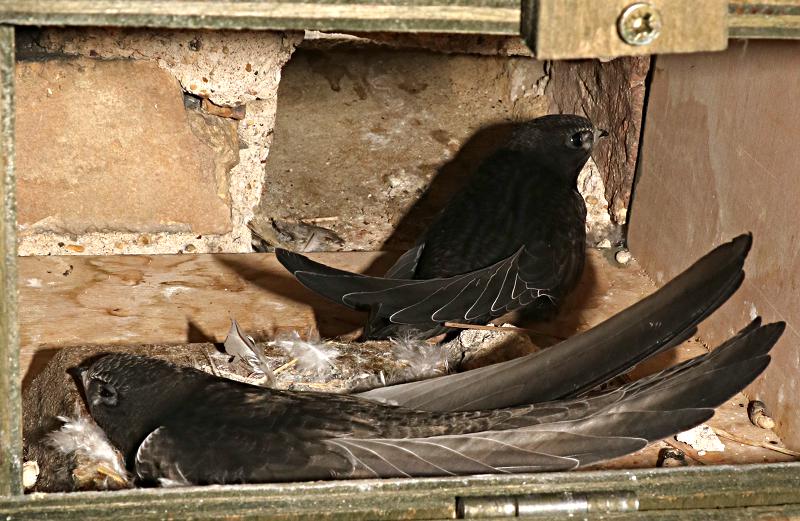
point(107, 145)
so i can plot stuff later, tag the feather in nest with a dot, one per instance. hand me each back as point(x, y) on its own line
point(311, 354)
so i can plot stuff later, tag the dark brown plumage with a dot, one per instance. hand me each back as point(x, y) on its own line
point(513, 237)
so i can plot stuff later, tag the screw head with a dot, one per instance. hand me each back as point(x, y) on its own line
point(639, 24)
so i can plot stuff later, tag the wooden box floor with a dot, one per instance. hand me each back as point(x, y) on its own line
point(178, 299)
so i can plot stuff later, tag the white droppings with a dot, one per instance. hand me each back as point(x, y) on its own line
point(33, 283)
point(702, 439)
point(170, 291)
point(753, 311)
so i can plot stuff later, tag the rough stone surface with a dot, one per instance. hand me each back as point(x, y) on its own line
point(611, 94)
point(90, 133)
point(480, 347)
point(361, 133)
point(599, 226)
point(209, 64)
point(227, 67)
point(218, 134)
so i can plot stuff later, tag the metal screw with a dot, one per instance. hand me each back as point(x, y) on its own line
point(639, 24)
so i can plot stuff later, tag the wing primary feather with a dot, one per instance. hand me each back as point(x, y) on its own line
point(592, 357)
point(661, 405)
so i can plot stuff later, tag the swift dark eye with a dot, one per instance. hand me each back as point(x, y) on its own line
point(107, 395)
point(581, 140)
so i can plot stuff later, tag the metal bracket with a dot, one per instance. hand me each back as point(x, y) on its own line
point(565, 29)
point(565, 504)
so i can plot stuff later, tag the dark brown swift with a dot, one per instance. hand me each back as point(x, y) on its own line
point(513, 237)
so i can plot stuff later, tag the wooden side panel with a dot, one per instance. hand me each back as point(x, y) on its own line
point(721, 156)
point(446, 16)
point(10, 423)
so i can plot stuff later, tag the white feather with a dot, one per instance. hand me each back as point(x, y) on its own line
point(422, 359)
point(311, 354)
point(83, 437)
point(172, 483)
point(242, 346)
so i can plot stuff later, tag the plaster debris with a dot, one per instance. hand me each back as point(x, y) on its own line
point(702, 439)
point(598, 221)
point(480, 347)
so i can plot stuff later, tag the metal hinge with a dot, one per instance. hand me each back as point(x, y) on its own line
point(566, 503)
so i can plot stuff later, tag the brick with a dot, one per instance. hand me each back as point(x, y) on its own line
point(107, 145)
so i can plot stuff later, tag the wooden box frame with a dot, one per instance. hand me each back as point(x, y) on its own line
point(719, 492)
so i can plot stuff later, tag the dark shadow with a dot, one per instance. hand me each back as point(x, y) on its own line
point(196, 335)
point(640, 147)
point(449, 179)
point(39, 360)
point(333, 320)
point(336, 320)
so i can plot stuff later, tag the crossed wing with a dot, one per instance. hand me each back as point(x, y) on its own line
point(489, 292)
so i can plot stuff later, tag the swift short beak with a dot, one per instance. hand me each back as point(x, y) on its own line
point(601, 133)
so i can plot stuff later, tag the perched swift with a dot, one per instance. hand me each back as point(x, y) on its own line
point(513, 237)
point(182, 426)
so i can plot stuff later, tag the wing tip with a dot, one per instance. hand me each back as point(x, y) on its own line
point(289, 259)
point(777, 327)
point(743, 242)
